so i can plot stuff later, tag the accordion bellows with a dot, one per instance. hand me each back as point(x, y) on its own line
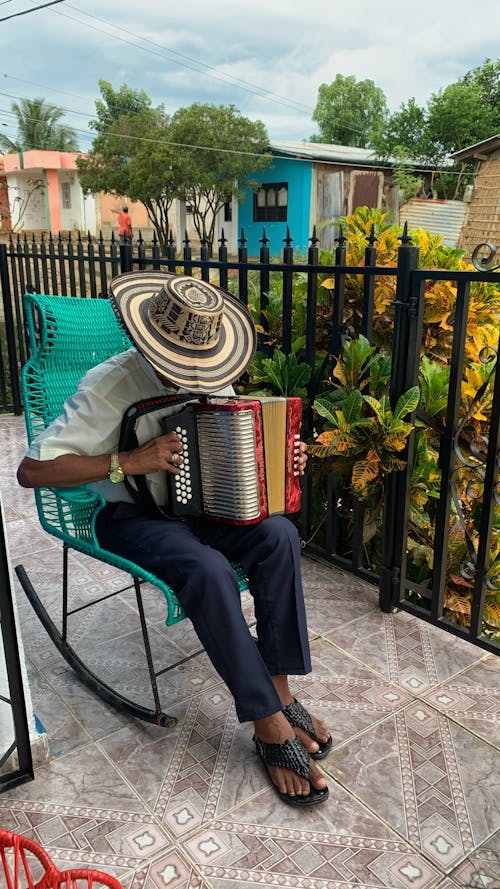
point(240, 458)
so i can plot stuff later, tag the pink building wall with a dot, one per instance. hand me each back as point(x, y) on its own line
point(51, 162)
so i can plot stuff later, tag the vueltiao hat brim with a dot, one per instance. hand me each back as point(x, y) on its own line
point(196, 369)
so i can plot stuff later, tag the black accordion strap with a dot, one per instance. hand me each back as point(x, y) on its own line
point(141, 494)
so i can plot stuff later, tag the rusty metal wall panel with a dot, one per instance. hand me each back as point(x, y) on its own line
point(366, 190)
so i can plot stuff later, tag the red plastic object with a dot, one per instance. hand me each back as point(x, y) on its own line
point(78, 878)
point(27, 866)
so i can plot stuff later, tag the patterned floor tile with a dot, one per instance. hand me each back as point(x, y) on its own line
point(207, 763)
point(481, 869)
point(473, 699)
point(81, 811)
point(334, 598)
point(97, 717)
point(336, 844)
point(189, 773)
point(64, 731)
point(427, 777)
point(346, 695)
point(170, 871)
point(25, 538)
point(409, 651)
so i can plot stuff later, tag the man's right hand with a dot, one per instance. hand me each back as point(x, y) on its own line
point(159, 454)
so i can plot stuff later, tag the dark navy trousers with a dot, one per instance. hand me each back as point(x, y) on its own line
point(193, 558)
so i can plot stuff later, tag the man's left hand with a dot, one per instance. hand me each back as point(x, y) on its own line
point(302, 457)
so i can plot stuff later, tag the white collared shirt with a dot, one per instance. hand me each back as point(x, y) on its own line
point(92, 417)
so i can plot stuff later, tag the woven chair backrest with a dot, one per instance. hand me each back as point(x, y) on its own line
point(68, 336)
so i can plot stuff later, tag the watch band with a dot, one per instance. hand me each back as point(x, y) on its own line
point(115, 473)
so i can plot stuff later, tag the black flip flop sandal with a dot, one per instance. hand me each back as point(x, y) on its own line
point(291, 755)
point(299, 717)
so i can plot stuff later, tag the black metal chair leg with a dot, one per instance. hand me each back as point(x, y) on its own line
point(108, 694)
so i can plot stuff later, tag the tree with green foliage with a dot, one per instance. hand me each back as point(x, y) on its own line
point(350, 112)
point(487, 78)
point(115, 104)
point(132, 154)
point(217, 154)
point(39, 127)
point(459, 115)
point(203, 155)
point(456, 118)
point(406, 130)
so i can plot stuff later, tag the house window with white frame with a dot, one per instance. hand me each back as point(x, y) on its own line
point(270, 202)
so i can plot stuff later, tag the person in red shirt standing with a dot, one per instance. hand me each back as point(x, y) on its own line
point(125, 226)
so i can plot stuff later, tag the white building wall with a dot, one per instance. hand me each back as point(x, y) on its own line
point(80, 214)
point(27, 202)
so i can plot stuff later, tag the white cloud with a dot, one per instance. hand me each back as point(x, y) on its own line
point(266, 58)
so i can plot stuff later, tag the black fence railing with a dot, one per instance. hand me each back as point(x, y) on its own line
point(318, 305)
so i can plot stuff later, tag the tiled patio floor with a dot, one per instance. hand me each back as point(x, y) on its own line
point(414, 773)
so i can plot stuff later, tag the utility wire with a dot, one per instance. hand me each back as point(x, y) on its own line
point(219, 75)
point(27, 11)
point(195, 66)
point(355, 165)
point(199, 67)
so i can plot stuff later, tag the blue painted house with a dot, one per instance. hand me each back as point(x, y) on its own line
point(307, 184)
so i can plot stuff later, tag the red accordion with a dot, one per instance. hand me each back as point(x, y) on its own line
point(240, 458)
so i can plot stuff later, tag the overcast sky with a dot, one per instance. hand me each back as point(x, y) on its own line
point(266, 58)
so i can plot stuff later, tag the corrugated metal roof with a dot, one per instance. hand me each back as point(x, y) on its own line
point(340, 154)
point(346, 154)
point(438, 217)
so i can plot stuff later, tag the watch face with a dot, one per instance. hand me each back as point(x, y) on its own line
point(116, 475)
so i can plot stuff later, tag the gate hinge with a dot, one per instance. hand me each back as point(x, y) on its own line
point(413, 306)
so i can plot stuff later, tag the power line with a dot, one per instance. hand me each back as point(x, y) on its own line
point(195, 66)
point(40, 86)
point(60, 107)
point(27, 11)
point(244, 84)
point(276, 156)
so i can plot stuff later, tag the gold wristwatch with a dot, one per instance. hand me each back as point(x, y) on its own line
point(116, 473)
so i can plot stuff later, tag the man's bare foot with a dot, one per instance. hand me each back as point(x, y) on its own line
point(321, 732)
point(317, 741)
point(276, 729)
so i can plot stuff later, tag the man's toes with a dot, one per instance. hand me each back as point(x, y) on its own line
point(321, 730)
point(318, 780)
point(306, 741)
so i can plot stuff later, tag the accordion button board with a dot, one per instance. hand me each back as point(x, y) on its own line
point(219, 474)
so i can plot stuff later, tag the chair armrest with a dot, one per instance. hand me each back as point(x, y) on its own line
point(69, 513)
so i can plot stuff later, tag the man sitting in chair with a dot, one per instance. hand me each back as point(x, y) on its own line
point(191, 337)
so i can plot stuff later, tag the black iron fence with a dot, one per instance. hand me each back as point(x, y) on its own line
point(317, 304)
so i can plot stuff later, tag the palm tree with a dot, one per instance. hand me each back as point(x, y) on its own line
point(38, 127)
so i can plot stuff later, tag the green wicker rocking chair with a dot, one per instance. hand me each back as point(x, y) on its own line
point(67, 337)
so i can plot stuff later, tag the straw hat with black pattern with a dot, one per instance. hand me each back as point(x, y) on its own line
point(196, 335)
